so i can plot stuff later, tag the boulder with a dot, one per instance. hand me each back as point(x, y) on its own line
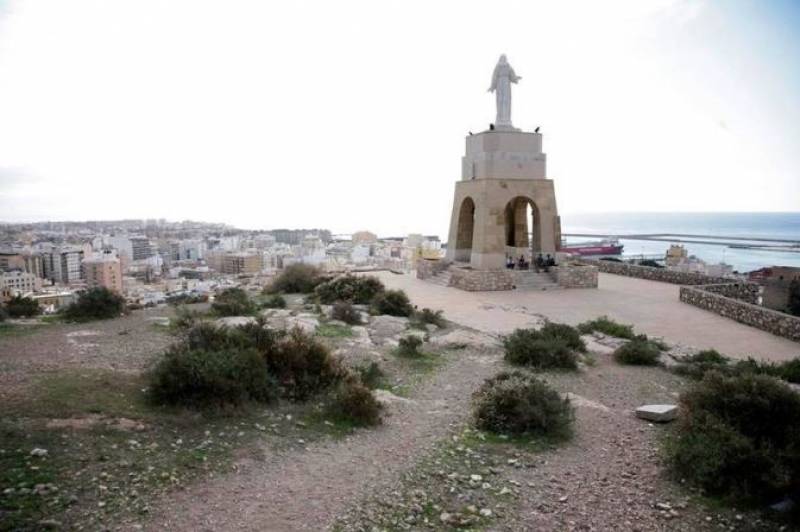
point(657, 413)
point(384, 328)
point(235, 321)
point(461, 338)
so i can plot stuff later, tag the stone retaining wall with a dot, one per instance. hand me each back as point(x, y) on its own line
point(575, 275)
point(655, 274)
point(481, 280)
point(762, 318)
point(747, 292)
point(427, 268)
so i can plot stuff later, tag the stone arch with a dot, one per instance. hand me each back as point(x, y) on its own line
point(466, 230)
point(517, 227)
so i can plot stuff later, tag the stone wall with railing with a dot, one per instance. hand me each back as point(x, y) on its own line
point(651, 273)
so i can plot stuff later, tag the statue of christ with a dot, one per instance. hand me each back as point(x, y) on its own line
point(502, 78)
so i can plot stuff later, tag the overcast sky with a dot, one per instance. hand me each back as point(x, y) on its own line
point(352, 115)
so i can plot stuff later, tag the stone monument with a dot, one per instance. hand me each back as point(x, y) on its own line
point(504, 192)
point(504, 208)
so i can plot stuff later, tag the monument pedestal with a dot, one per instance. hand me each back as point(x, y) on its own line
point(503, 196)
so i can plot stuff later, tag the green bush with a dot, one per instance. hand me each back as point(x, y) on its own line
point(274, 301)
point(187, 299)
point(354, 403)
point(185, 319)
point(607, 326)
point(427, 316)
point(296, 279)
point(95, 304)
point(344, 311)
point(565, 332)
point(393, 303)
point(233, 302)
point(697, 365)
point(650, 263)
point(302, 365)
point(22, 307)
point(638, 352)
point(788, 370)
point(532, 348)
point(409, 346)
point(3, 314)
point(295, 364)
point(793, 305)
point(211, 378)
point(351, 288)
point(737, 437)
point(520, 404)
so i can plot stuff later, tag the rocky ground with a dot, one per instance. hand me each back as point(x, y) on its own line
point(112, 462)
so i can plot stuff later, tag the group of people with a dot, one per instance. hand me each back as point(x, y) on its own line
point(541, 263)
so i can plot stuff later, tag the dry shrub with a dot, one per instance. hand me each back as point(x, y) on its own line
point(518, 403)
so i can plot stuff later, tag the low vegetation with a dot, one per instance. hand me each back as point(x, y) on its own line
point(697, 365)
point(393, 303)
point(21, 307)
point(353, 402)
point(233, 302)
point(290, 364)
point(555, 346)
point(519, 404)
point(408, 346)
point(607, 326)
point(187, 299)
point(359, 290)
point(737, 437)
point(274, 301)
point(427, 316)
point(95, 304)
point(638, 352)
point(370, 374)
point(296, 279)
point(346, 312)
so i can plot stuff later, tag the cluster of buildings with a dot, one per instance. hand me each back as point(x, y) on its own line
point(149, 261)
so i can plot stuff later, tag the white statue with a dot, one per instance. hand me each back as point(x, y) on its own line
point(502, 78)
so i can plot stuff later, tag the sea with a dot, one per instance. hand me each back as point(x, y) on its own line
point(739, 226)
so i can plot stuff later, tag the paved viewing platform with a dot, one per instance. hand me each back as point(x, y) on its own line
point(652, 307)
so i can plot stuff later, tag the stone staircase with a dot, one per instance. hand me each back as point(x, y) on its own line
point(531, 280)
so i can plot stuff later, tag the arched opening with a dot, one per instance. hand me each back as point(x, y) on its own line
point(522, 238)
point(466, 229)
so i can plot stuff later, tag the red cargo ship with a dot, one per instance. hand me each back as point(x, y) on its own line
point(604, 247)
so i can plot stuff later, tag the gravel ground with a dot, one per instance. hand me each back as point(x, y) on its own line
point(126, 344)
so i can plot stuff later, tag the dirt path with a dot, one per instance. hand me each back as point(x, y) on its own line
point(307, 490)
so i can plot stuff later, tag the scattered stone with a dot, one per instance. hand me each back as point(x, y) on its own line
point(39, 453)
point(235, 321)
point(657, 413)
point(486, 512)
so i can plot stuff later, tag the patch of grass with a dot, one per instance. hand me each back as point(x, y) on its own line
point(371, 375)
point(427, 316)
point(72, 393)
point(334, 330)
point(607, 326)
point(13, 330)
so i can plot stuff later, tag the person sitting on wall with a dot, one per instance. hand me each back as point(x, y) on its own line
point(550, 261)
point(539, 262)
point(521, 263)
point(509, 262)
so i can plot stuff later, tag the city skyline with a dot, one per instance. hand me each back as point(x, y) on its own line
point(187, 111)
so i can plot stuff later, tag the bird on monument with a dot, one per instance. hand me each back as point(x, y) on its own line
point(491, 127)
point(536, 130)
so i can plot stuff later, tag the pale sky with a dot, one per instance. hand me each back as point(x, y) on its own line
point(352, 115)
